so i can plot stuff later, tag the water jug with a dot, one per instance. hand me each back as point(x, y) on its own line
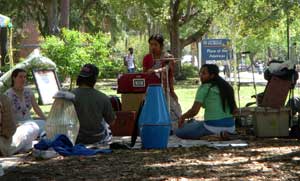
point(63, 118)
point(154, 120)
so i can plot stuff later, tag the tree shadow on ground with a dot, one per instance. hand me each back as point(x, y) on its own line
point(193, 163)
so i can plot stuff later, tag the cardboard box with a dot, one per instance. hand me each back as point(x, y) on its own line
point(131, 101)
point(124, 123)
point(270, 122)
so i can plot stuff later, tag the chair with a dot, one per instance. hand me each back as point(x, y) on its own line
point(276, 92)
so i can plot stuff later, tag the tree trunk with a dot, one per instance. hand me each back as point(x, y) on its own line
point(3, 40)
point(126, 41)
point(174, 35)
point(252, 58)
point(65, 13)
point(149, 29)
point(194, 52)
point(269, 54)
point(72, 79)
point(198, 56)
point(178, 44)
point(175, 46)
point(106, 24)
point(52, 16)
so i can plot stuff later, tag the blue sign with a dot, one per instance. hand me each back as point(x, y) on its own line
point(215, 49)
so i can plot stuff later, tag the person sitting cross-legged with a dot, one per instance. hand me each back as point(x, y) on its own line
point(93, 108)
point(22, 100)
point(216, 96)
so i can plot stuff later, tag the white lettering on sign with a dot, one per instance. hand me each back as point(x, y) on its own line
point(224, 51)
point(216, 51)
point(216, 42)
point(216, 56)
point(211, 51)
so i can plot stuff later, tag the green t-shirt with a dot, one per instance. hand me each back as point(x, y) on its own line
point(212, 103)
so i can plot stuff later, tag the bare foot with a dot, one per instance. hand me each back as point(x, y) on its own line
point(224, 135)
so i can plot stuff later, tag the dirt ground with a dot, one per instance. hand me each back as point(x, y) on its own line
point(263, 159)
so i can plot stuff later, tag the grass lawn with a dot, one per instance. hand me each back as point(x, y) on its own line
point(185, 90)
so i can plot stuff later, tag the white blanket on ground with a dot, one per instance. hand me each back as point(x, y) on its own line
point(175, 142)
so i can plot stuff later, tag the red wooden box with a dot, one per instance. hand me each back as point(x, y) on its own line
point(124, 123)
point(136, 82)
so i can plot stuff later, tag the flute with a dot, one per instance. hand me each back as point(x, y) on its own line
point(159, 59)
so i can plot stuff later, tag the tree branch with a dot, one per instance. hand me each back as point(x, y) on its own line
point(174, 9)
point(187, 19)
point(87, 7)
point(188, 9)
point(197, 35)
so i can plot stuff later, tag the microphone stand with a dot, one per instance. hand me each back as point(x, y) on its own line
point(168, 87)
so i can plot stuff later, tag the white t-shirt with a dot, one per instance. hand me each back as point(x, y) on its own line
point(129, 60)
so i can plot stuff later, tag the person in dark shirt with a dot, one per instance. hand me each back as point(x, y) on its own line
point(94, 109)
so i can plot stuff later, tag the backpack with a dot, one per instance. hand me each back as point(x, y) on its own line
point(115, 103)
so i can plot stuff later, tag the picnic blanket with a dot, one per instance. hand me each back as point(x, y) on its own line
point(175, 142)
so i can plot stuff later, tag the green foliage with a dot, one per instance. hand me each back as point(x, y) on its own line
point(73, 49)
point(259, 26)
point(189, 71)
point(111, 69)
point(5, 68)
point(256, 25)
point(140, 47)
point(199, 12)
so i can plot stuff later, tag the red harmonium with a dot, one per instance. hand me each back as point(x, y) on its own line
point(136, 82)
point(124, 123)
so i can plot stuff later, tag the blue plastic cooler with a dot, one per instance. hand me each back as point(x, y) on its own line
point(154, 120)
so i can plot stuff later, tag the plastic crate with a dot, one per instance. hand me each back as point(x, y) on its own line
point(270, 122)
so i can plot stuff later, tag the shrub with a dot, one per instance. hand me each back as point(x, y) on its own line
point(73, 49)
point(189, 71)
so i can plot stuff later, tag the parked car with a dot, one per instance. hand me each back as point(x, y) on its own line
point(188, 60)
